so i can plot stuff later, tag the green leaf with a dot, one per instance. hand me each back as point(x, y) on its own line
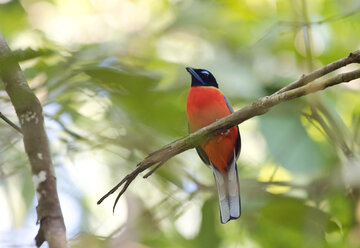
point(13, 18)
point(289, 222)
point(290, 145)
point(136, 92)
point(208, 235)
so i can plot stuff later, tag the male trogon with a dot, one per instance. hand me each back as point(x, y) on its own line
point(206, 104)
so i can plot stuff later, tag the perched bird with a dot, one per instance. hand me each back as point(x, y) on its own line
point(206, 104)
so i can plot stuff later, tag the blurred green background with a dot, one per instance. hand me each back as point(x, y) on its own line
point(113, 86)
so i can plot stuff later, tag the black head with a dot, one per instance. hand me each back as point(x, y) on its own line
point(201, 77)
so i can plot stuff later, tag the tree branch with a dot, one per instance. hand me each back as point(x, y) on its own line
point(300, 87)
point(352, 58)
point(29, 112)
point(13, 125)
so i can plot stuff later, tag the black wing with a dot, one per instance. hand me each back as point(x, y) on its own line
point(202, 155)
point(201, 152)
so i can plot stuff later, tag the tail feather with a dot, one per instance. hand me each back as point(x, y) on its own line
point(229, 193)
point(234, 192)
point(223, 196)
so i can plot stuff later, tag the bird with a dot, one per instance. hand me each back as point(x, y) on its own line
point(206, 104)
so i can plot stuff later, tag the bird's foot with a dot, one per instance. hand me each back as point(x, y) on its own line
point(226, 132)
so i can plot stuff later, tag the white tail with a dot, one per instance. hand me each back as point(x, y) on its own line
point(229, 193)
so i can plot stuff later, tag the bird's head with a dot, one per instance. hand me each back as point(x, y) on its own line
point(201, 77)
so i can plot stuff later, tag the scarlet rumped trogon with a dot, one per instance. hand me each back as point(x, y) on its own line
point(206, 104)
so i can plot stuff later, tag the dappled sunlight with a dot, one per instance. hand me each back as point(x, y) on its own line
point(253, 150)
point(188, 223)
point(89, 175)
point(5, 209)
point(266, 6)
point(110, 75)
point(313, 129)
point(84, 21)
point(93, 107)
point(320, 35)
point(275, 173)
point(193, 49)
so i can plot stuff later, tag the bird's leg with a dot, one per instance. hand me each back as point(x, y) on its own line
point(225, 132)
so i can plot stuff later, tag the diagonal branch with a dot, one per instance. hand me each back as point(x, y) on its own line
point(12, 124)
point(352, 58)
point(304, 86)
point(29, 112)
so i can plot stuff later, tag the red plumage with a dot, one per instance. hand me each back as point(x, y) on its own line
point(206, 105)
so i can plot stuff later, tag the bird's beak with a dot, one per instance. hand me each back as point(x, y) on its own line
point(193, 73)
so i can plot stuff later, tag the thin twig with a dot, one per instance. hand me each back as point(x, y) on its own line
point(310, 118)
point(119, 184)
point(296, 89)
point(352, 58)
point(154, 169)
point(273, 173)
point(300, 24)
point(12, 124)
point(126, 185)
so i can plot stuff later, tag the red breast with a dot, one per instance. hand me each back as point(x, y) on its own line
point(205, 105)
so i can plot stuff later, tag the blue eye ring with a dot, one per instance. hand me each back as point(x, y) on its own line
point(205, 72)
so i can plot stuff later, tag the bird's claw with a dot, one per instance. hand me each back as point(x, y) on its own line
point(226, 132)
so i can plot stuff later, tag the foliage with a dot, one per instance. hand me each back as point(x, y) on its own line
point(111, 78)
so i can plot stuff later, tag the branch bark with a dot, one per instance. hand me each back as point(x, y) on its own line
point(301, 87)
point(29, 112)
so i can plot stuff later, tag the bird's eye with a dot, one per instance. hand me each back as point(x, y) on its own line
point(205, 73)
